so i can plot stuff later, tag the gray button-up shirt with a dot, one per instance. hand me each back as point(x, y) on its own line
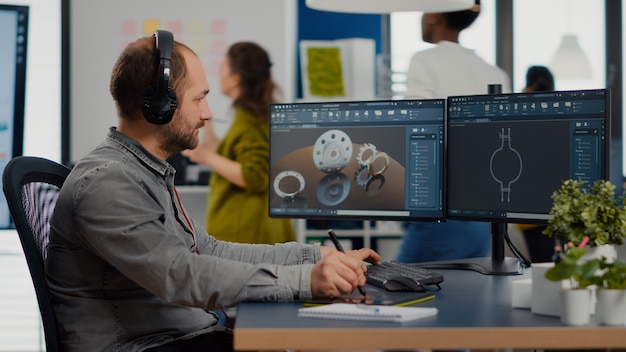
point(128, 270)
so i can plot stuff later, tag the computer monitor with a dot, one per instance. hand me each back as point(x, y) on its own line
point(357, 160)
point(508, 153)
point(13, 41)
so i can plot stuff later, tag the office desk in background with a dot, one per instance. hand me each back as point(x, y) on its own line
point(474, 312)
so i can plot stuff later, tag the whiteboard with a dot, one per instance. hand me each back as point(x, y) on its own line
point(99, 31)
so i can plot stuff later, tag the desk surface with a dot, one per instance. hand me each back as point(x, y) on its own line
point(474, 312)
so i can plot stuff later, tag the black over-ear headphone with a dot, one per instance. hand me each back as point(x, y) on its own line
point(159, 101)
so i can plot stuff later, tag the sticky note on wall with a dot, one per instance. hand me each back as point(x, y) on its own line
point(324, 71)
point(149, 26)
point(338, 69)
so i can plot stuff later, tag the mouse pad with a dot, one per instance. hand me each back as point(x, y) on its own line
point(387, 298)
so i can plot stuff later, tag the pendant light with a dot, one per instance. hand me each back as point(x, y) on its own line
point(569, 61)
point(388, 6)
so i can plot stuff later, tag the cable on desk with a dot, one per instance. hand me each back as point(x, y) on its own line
point(518, 254)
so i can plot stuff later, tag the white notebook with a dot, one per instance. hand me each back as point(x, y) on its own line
point(364, 312)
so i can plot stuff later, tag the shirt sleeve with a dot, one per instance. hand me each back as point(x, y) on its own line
point(252, 152)
point(137, 231)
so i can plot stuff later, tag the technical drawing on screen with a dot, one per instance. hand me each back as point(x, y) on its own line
point(358, 159)
point(508, 153)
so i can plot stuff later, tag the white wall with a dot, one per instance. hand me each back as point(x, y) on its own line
point(208, 27)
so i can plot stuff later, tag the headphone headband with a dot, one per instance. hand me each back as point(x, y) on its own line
point(159, 101)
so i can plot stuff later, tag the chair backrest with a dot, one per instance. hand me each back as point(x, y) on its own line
point(31, 186)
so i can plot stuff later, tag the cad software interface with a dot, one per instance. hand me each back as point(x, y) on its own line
point(365, 160)
point(508, 153)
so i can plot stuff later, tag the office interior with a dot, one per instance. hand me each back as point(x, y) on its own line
point(513, 34)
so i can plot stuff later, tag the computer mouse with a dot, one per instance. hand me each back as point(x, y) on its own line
point(403, 283)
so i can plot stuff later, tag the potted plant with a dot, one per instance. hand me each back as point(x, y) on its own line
point(610, 281)
point(576, 299)
point(612, 274)
point(594, 211)
point(580, 274)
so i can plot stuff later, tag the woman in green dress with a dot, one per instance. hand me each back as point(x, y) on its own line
point(238, 187)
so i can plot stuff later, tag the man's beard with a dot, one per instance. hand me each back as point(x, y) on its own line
point(173, 139)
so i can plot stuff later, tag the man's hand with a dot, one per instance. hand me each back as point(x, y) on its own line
point(364, 254)
point(340, 273)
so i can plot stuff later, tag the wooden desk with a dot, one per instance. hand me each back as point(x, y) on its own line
point(474, 312)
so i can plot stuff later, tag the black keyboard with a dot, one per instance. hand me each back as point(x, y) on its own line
point(396, 276)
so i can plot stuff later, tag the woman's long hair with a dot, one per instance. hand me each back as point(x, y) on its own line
point(258, 89)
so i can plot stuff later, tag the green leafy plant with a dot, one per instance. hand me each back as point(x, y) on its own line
point(593, 211)
point(581, 274)
point(602, 272)
point(612, 274)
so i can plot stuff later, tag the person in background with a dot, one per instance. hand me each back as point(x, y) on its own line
point(538, 79)
point(238, 187)
point(540, 246)
point(445, 70)
point(127, 269)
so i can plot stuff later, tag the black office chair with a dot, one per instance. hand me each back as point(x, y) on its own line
point(31, 186)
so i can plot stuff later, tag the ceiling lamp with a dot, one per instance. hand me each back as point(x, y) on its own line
point(569, 61)
point(388, 6)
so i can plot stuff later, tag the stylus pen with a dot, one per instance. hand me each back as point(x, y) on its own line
point(333, 238)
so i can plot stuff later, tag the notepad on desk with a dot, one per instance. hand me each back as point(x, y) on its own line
point(376, 297)
point(366, 312)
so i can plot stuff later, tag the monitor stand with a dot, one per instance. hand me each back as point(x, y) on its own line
point(497, 264)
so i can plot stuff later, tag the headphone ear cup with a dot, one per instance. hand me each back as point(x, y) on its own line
point(171, 93)
point(159, 101)
point(158, 110)
point(172, 104)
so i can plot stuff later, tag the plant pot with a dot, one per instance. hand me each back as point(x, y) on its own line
point(575, 306)
point(546, 294)
point(608, 251)
point(621, 252)
point(611, 306)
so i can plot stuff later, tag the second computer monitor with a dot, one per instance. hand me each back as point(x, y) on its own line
point(507, 153)
point(357, 160)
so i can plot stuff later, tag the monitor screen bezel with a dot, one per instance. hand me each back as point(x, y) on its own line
point(20, 80)
point(19, 98)
point(527, 218)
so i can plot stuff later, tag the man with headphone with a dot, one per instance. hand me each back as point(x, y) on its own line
point(128, 270)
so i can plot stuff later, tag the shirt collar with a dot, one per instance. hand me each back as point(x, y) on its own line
point(134, 147)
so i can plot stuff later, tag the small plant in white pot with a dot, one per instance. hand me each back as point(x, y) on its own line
point(580, 210)
point(576, 300)
point(581, 274)
point(610, 281)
